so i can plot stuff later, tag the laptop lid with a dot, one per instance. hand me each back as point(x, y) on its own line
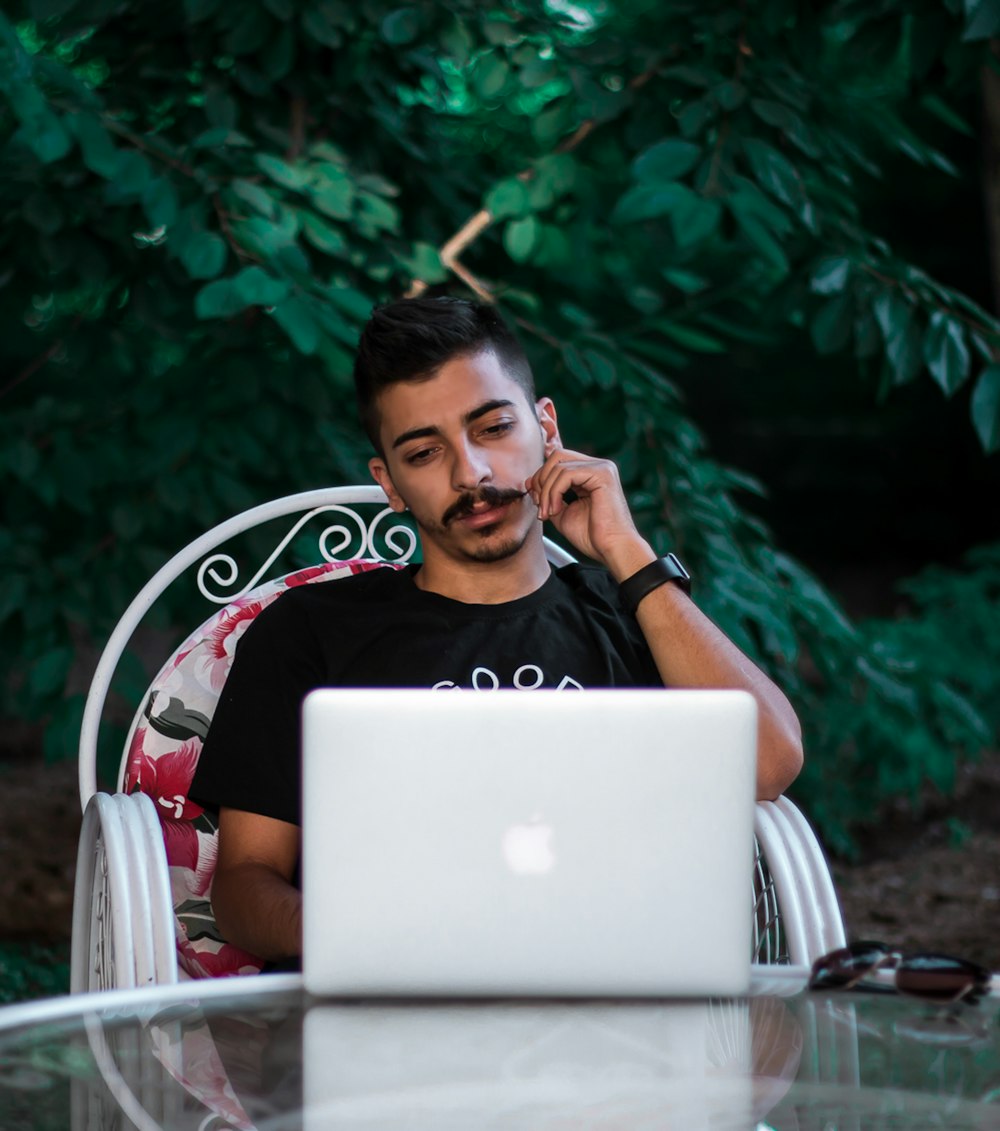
point(503, 843)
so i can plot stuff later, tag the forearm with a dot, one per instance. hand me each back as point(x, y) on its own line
point(257, 909)
point(690, 651)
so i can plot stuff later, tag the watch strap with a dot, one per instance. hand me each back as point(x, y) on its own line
point(651, 577)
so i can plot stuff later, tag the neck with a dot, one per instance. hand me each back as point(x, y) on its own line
point(485, 583)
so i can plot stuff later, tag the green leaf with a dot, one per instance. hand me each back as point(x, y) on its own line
point(520, 237)
point(333, 193)
point(490, 75)
point(830, 275)
point(775, 172)
point(259, 199)
point(832, 325)
point(401, 26)
point(278, 56)
point(294, 317)
point(730, 95)
point(946, 352)
point(256, 287)
point(986, 408)
point(281, 172)
point(47, 674)
point(48, 137)
point(424, 263)
point(691, 338)
point(982, 20)
point(903, 343)
point(353, 303)
point(100, 154)
point(376, 215)
point(601, 368)
point(160, 202)
point(317, 24)
point(686, 281)
point(581, 365)
point(695, 219)
point(508, 199)
point(558, 170)
point(784, 118)
point(221, 109)
point(324, 237)
point(940, 109)
point(23, 459)
point(218, 299)
point(211, 138)
point(248, 32)
point(666, 160)
point(647, 202)
point(747, 213)
point(204, 255)
point(131, 177)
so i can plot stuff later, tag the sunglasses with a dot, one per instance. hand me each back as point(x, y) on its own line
point(934, 977)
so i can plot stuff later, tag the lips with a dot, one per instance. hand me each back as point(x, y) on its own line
point(485, 517)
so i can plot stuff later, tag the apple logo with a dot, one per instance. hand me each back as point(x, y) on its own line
point(527, 848)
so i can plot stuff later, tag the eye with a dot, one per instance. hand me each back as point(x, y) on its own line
point(499, 429)
point(422, 455)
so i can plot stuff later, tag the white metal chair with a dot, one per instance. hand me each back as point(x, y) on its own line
point(134, 913)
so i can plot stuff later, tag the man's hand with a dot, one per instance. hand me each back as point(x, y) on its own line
point(597, 522)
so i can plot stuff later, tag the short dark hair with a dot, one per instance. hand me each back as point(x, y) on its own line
point(411, 339)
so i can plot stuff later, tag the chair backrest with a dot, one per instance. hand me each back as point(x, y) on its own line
point(165, 738)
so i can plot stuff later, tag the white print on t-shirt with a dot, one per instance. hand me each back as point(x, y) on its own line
point(528, 677)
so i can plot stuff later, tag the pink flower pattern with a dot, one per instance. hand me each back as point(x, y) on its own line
point(163, 767)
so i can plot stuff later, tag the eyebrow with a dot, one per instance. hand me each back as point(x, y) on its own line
point(430, 430)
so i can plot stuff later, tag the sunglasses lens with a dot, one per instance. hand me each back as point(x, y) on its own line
point(941, 977)
point(846, 966)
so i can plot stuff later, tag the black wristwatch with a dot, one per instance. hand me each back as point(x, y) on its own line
point(651, 577)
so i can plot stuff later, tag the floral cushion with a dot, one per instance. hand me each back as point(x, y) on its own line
point(163, 751)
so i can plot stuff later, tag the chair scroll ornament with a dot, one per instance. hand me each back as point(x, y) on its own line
point(359, 542)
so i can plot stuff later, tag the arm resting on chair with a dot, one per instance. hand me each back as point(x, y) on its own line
point(690, 651)
point(255, 903)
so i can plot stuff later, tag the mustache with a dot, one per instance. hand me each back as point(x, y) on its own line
point(491, 496)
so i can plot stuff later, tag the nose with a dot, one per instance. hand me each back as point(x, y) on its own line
point(470, 468)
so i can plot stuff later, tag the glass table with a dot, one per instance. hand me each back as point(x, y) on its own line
point(260, 1053)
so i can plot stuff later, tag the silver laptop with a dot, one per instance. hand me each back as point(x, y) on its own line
point(510, 843)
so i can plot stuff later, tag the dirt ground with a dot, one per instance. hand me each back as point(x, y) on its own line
point(932, 884)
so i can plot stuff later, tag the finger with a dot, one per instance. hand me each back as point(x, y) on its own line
point(556, 463)
point(568, 478)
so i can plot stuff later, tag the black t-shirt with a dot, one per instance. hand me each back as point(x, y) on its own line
point(377, 629)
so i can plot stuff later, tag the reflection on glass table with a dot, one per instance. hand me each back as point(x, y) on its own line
point(259, 1053)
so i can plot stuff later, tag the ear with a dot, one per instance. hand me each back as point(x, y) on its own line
point(545, 410)
point(380, 473)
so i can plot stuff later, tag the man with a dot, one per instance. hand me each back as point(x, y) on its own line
point(447, 398)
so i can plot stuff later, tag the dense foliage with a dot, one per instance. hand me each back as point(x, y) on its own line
point(202, 201)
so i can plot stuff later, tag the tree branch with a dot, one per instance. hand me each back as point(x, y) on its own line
point(297, 129)
point(472, 229)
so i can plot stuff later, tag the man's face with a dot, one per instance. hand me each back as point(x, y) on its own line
point(458, 448)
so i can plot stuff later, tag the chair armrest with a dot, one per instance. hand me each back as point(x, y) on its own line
point(808, 905)
point(123, 922)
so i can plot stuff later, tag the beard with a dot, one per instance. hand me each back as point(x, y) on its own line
point(495, 552)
